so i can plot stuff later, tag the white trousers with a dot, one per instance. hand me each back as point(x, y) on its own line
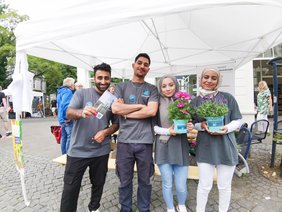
point(224, 180)
point(262, 126)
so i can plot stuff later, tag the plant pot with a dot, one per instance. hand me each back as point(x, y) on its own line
point(180, 126)
point(215, 123)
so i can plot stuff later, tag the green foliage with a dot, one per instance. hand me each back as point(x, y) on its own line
point(54, 73)
point(180, 109)
point(8, 21)
point(212, 108)
point(277, 137)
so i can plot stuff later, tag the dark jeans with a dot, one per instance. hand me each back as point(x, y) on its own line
point(127, 155)
point(75, 168)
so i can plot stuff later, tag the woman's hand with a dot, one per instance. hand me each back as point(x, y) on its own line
point(172, 131)
point(190, 126)
point(223, 131)
point(270, 108)
point(205, 126)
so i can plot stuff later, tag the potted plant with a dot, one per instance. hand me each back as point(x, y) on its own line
point(180, 111)
point(213, 111)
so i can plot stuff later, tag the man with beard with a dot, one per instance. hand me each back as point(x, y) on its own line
point(90, 142)
point(137, 103)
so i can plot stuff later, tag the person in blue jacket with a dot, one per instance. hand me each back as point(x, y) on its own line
point(64, 95)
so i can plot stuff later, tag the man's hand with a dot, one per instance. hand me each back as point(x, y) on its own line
point(100, 136)
point(120, 100)
point(89, 111)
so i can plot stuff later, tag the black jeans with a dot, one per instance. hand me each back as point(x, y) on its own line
point(75, 168)
point(127, 155)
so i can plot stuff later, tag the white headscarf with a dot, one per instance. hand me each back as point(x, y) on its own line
point(204, 92)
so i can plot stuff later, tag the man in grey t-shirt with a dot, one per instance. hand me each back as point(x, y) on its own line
point(90, 142)
point(137, 104)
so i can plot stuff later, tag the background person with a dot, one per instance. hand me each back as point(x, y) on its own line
point(112, 89)
point(78, 85)
point(3, 113)
point(137, 104)
point(216, 150)
point(54, 107)
point(172, 149)
point(90, 143)
point(64, 95)
point(264, 104)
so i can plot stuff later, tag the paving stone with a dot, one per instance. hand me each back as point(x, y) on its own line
point(44, 183)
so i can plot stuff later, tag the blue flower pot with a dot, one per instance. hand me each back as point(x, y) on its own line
point(180, 126)
point(215, 123)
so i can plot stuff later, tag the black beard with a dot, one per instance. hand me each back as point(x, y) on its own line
point(102, 89)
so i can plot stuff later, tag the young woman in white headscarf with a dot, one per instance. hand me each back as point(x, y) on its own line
point(264, 103)
point(215, 150)
point(171, 149)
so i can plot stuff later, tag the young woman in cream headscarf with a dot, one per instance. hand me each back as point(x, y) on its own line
point(264, 103)
point(171, 150)
point(216, 150)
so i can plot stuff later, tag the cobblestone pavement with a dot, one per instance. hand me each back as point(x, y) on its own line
point(44, 179)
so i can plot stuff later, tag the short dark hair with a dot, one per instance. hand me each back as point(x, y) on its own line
point(103, 67)
point(143, 55)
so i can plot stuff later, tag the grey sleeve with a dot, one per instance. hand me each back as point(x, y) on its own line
point(118, 90)
point(77, 100)
point(154, 97)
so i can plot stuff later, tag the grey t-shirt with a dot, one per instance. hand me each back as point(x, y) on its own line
point(84, 130)
point(218, 149)
point(136, 130)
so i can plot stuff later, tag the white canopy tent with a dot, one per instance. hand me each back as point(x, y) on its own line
point(180, 36)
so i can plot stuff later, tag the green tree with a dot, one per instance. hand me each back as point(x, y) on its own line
point(8, 21)
point(53, 73)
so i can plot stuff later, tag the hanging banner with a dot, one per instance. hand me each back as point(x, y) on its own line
point(18, 153)
point(17, 142)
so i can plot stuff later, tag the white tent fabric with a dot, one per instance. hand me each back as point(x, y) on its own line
point(180, 36)
point(21, 86)
point(34, 93)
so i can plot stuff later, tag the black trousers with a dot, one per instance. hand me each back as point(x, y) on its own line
point(74, 171)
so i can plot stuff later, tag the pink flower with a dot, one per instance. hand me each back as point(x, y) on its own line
point(180, 105)
point(182, 95)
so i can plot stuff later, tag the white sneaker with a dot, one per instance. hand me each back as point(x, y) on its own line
point(170, 210)
point(96, 210)
point(181, 208)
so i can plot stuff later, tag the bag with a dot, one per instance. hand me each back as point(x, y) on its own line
point(57, 132)
point(11, 115)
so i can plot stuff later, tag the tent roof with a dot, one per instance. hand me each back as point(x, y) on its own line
point(9, 93)
point(180, 36)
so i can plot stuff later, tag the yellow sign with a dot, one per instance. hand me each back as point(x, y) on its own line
point(17, 142)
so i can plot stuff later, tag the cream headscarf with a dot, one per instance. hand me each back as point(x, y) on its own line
point(203, 92)
point(163, 107)
point(165, 101)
